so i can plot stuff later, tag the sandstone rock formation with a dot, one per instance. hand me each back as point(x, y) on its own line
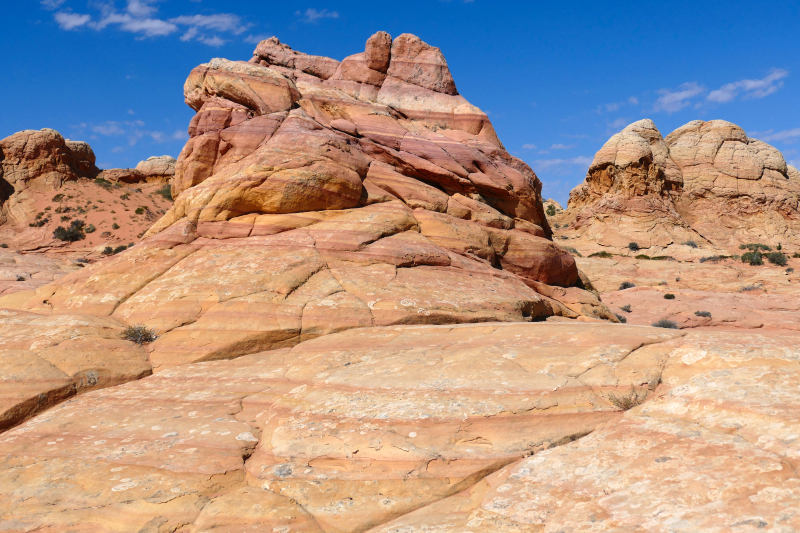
point(152, 170)
point(302, 210)
point(38, 161)
point(706, 182)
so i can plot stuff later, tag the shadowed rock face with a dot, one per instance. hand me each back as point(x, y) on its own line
point(707, 182)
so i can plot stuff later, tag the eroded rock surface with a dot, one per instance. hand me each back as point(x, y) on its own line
point(706, 182)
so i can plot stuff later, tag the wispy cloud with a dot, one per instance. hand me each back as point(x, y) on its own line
point(140, 18)
point(785, 135)
point(749, 88)
point(619, 123)
point(564, 164)
point(529, 146)
point(71, 21)
point(560, 146)
point(52, 4)
point(255, 39)
point(672, 101)
point(312, 15)
point(132, 130)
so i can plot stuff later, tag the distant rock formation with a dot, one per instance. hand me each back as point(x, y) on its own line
point(42, 160)
point(706, 182)
point(154, 169)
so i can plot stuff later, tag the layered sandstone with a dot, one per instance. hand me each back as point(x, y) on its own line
point(154, 169)
point(707, 182)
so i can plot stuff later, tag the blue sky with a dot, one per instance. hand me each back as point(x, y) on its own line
point(557, 78)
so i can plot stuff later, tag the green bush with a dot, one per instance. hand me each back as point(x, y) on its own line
point(667, 324)
point(75, 232)
point(705, 314)
point(633, 247)
point(626, 285)
point(754, 247)
point(714, 258)
point(626, 308)
point(58, 197)
point(551, 210)
point(669, 296)
point(139, 210)
point(119, 249)
point(627, 401)
point(166, 192)
point(90, 228)
point(104, 183)
point(643, 256)
point(114, 226)
point(753, 258)
point(573, 251)
point(663, 258)
point(621, 318)
point(603, 254)
point(4, 245)
point(796, 255)
point(777, 258)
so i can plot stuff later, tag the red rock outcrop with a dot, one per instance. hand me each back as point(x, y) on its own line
point(152, 170)
point(706, 182)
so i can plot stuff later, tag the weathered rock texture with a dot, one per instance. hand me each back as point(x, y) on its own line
point(152, 170)
point(34, 160)
point(706, 182)
point(303, 210)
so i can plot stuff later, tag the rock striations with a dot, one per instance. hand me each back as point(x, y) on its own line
point(706, 182)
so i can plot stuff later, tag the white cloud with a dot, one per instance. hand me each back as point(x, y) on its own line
point(633, 100)
point(672, 101)
point(611, 107)
point(180, 135)
point(751, 88)
point(148, 27)
point(117, 149)
point(190, 34)
point(785, 135)
point(70, 21)
point(560, 146)
point(255, 39)
point(141, 8)
point(563, 163)
point(51, 4)
point(529, 146)
point(221, 22)
point(312, 15)
point(212, 41)
point(619, 123)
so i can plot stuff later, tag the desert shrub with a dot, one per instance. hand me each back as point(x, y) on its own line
point(573, 251)
point(90, 228)
point(714, 258)
point(751, 287)
point(662, 283)
point(690, 244)
point(621, 318)
point(789, 270)
point(114, 226)
point(626, 285)
point(39, 223)
point(75, 232)
point(125, 196)
point(703, 314)
point(139, 334)
point(752, 258)
point(58, 197)
point(663, 258)
point(626, 308)
point(120, 248)
point(166, 192)
point(642, 256)
point(633, 247)
point(4, 245)
point(796, 255)
point(754, 247)
point(603, 254)
point(20, 278)
point(777, 258)
point(779, 247)
point(669, 296)
point(139, 210)
point(564, 237)
point(626, 401)
point(108, 250)
point(551, 210)
point(64, 218)
point(104, 183)
point(667, 324)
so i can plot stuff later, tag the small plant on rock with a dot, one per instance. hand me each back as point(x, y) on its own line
point(752, 258)
point(551, 210)
point(669, 296)
point(114, 226)
point(602, 254)
point(643, 256)
point(777, 258)
point(624, 402)
point(75, 232)
point(796, 255)
point(573, 251)
point(139, 334)
point(626, 308)
point(633, 246)
point(621, 318)
point(705, 314)
point(626, 285)
point(667, 324)
point(165, 192)
point(690, 244)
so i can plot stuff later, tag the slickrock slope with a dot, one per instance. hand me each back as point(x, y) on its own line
point(303, 210)
point(50, 182)
point(706, 182)
point(338, 434)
